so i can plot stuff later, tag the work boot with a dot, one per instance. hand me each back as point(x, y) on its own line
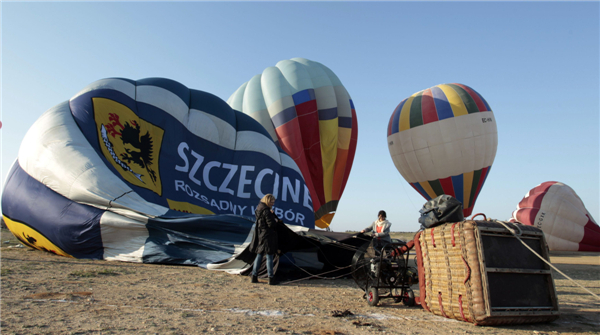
point(273, 281)
point(254, 279)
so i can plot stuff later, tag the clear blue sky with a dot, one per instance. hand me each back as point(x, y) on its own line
point(536, 64)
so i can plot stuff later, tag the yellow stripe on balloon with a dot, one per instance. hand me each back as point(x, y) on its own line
point(328, 131)
point(186, 207)
point(405, 114)
point(430, 192)
point(458, 106)
point(343, 145)
point(32, 237)
point(344, 135)
point(467, 184)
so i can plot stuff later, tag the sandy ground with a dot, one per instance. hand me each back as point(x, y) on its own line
point(46, 294)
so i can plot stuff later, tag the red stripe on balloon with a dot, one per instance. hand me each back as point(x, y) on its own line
point(536, 195)
point(308, 120)
point(591, 237)
point(307, 108)
point(587, 247)
point(428, 107)
point(290, 139)
point(475, 96)
point(447, 186)
point(591, 225)
point(467, 211)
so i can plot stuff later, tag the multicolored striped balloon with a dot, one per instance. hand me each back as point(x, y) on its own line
point(558, 211)
point(443, 140)
point(308, 112)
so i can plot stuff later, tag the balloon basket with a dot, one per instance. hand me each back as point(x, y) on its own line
point(478, 272)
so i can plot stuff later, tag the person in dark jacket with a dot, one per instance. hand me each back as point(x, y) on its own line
point(265, 241)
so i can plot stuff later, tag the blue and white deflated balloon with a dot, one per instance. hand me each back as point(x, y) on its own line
point(147, 171)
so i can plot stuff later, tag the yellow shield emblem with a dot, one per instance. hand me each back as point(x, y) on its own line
point(129, 143)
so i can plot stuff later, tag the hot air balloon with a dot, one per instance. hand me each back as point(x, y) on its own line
point(443, 140)
point(558, 211)
point(308, 112)
point(147, 171)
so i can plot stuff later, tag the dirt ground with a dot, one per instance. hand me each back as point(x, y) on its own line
point(46, 294)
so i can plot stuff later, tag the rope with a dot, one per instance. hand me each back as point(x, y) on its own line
point(317, 275)
point(117, 198)
point(542, 258)
point(311, 275)
point(335, 243)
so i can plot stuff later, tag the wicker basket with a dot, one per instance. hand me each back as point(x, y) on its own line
point(477, 271)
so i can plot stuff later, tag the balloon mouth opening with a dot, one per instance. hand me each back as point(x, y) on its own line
point(324, 215)
point(467, 211)
point(325, 220)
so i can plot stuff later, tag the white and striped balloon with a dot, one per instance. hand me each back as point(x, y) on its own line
point(558, 211)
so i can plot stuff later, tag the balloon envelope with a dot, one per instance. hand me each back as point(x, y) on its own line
point(308, 112)
point(147, 171)
point(558, 211)
point(443, 140)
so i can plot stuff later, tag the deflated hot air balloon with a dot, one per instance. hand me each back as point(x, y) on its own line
point(557, 210)
point(443, 140)
point(122, 170)
point(308, 112)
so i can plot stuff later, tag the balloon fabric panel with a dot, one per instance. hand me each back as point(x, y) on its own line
point(346, 113)
point(429, 111)
point(310, 153)
point(465, 98)
point(442, 105)
point(405, 115)
point(467, 186)
point(416, 114)
point(480, 102)
point(591, 236)
point(32, 238)
point(351, 147)
point(455, 100)
point(482, 175)
point(458, 191)
point(35, 210)
point(328, 129)
point(447, 187)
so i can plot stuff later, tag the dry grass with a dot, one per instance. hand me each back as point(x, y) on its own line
point(40, 295)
